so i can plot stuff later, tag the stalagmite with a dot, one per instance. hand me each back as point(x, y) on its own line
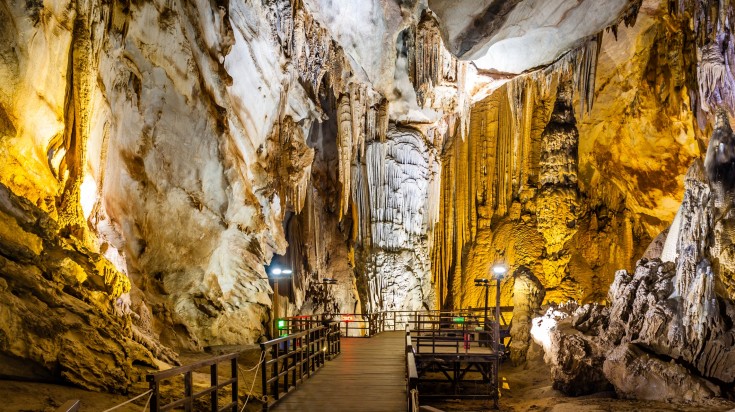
point(528, 294)
point(162, 162)
point(558, 202)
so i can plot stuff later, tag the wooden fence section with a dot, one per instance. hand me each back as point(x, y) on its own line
point(367, 325)
point(294, 358)
point(412, 375)
point(444, 371)
point(187, 402)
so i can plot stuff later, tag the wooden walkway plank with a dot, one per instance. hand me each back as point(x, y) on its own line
point(369, 376)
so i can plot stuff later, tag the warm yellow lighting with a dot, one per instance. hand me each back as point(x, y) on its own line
point(88, 195)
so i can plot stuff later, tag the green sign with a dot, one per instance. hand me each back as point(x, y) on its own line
point(459, 319)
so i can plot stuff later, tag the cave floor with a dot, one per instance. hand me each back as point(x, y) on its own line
point(529, 388)
point(524, 389)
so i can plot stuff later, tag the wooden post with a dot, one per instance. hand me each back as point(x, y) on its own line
point(188, 392)
point(264, 376)
point(213, 380)
point(276, 355)
point(155, 396)
point(286, 364)
point(307, 348)
point(235, 387)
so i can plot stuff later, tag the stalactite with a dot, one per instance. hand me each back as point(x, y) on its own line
point(382, 120)
point(344, 147)
point(83, 61)
point(712, 23)
point(430, 63)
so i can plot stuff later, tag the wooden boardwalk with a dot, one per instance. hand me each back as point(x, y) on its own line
point(369, 376)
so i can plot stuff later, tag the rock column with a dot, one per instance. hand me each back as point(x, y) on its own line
point(528, 293)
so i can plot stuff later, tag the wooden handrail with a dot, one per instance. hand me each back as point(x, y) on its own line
point(155, 379)
point(294, 357)
point(369, 324)
point(159, 376)
point(412, 375)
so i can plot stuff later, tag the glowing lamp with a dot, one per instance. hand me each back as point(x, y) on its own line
point(458, 319)
point(499, 271)
point(279, 271)
point(281, 324)
point(347, 318)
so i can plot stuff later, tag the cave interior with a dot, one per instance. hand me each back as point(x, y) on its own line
point(178, 175)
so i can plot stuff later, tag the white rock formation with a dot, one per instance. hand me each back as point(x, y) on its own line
point(518, 35)
point(175, 139)
point(399, 175)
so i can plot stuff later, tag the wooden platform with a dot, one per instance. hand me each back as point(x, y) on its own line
point(368, 376)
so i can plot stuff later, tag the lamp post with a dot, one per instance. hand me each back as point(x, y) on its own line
point(277, 273)
point(326, 282)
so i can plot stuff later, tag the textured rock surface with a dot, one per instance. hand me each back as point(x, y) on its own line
point(528, 294)
point(511, 193)
point(503, 36)
point(190, 142)
point(670, 324)
point(637, 375)
point(399, 174)
point(60, 303)
point(576, 360)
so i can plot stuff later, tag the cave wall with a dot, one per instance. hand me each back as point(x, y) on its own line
point(511, 193)
point(171, 138)
point(513, 198)
point(188, 143)
point(177, 140)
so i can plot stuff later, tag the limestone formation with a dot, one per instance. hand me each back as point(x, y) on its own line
point(528, 294)
point(576, 361)
point(669, 324)
point(157, 157)
point(59, 318)
point(557, 203)
point(638, 375)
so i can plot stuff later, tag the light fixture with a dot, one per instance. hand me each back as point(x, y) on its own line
point(279, 271)
point(499, 271)
point(481, 282)
point(329, 281)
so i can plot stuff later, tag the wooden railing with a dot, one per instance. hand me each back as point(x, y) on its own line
point(455, 333)
point(412, 376)
point(294, 358)
point(350, 325)
point(367, 325)
point(187, 402)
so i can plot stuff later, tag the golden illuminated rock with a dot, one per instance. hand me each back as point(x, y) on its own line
point(169, 153)
point(59, 312)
